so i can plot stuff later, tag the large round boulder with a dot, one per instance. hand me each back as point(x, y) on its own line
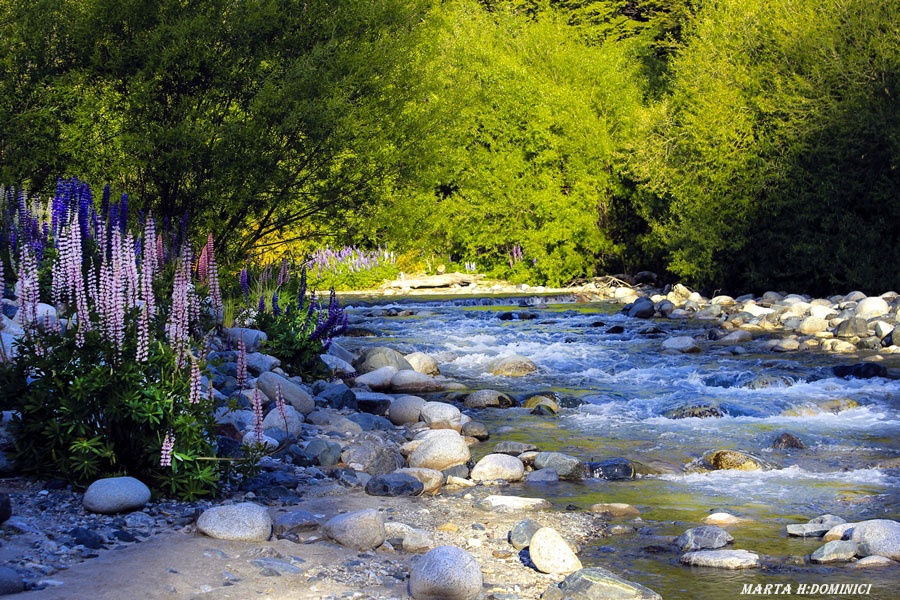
point(242, 522)
point(879, 537)
point(440, 415)
point(512, 366)
point(405, 409)
point(550, 553)
point(115, 495)
point(497, 467)
point(446, 573)
point(423, 363)
point(361, 530)
point(381, 356)
point(440, 452)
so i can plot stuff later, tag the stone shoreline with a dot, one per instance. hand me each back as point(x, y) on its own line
point(344, 437)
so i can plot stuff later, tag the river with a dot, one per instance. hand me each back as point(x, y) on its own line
point(618, 389)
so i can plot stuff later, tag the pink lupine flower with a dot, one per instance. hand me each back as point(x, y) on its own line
point(215, 292)
point(279, 404)
point(241, 363)
point(168, 446)
point(28, 289)
point(149, 264)
point(195, 381)
point(143, 342)
point(257, 414)
point(184, 308)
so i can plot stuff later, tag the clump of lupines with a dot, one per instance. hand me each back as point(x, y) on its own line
point(516, 255)
point(348, 259)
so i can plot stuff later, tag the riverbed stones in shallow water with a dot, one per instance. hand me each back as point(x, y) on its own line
point(787, 441)
point(732, 459)
point(615, 509)
point(513, 448)
point(568, 467)
point(698, 411)
point(835, 551)
point(440, 452)
point(405, 409)
point(361, 530)
point(394, 484)
point(596, 583)
point(381, 356)
point(681, 343)
point(878, 537)
point(550, 553)
point(116, 494)
point(495, 503)
point(241, 522)
point(705, 537)
point(412, 382)
point(423, 363)
point(488, 398)
point(512, 366)
point(816, 527)
point(613, 469)
point(839, 532)
point(721, 559)
point(446, 573)
point(497, 467)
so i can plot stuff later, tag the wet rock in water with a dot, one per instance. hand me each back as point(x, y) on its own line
point(868, 562)
point(116, 494)
point(361, 530)
point(682, 343)
point(835, 551)
point(542, 405)
point(732, 459)
point(423, 363)
point(488, 398)
point(839, 532)
point(641, 308)
point(615, 329)
point(377, 379)
point(512, 366)
point(440, 415)
point(613, 469)
point(567, 466)
point(768, 381)
point(596, 583)
point(477, 430)
point(446, 573)
point(496, 467)
point(723, 519)
point(296, 521)
point(815, 527)
point(394, 484)
point(512, 504)
point(405, 409)
point(615, 509)
point(865, 370)
point(520, 535)
point(242, 522)
point(381, 356)
point(412, 382)
point(10, 582)
point(550, 553)
point(513, 448)
point(705, 537)
point(721, 559)
point(879, 537)
point(542, 476)
point(699, 411)
point(440, 453)
point(787, 441)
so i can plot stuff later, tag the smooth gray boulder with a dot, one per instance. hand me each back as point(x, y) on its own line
point(705, 537)
point(878, 537)
point(292, 393)
point(566, 465)
point(835, 551)
point(488, 398)
point(440, 415)
point(253, 338)
point(722, 559)
point(381, 356)
point(440, 452)
point(423, 363)
point(816, 527)
point(116, 494)
point(242, 522)
point(497, 467)
point(446, 573)
point(512, 366)
point(405, 409)
point(550, 553)
point(361, 530)
point(596, 583)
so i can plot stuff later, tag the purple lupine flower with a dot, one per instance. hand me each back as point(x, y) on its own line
point(203, 265)
point(123, 214)
point(180, 315)
point(194, 397)
point(279, 404)
point(29, 292)
point(241, 363)
point(168, 446)
point(261, 307)
point(143, 341)
point(245, 285)
point(276, 310)
point(283, 273)
point(257, 403)
point(85, 210)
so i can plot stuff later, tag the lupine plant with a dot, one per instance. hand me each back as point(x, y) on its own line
point(113, 385)
point(350, 268)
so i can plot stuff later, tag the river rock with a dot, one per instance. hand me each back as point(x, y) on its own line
point(422, 363)
point(476, 429)
point(405, 409)
point(732, 459)
point(377, 379)
point(258, 363)
point(615, 509)
point(836, 551)
point(613, 469)
point(116, 494)
point(414, 382)
point(495, 503)
point(542, 476)
point(440, 452)
point(326, 453)
point(682, 343)
point(440, 415)
point(253, 338)
point(292, 393)
point(242, 522)
point(394, 485)
point(697, 411)
point(513, 448)
point(10, 581)
point(641, 308)
point(296, 521)
point(361, 530)
point(496, 467)
point(520, 535)
point(446, 573)
point(542, 405)
point(811, 325)
point(550, 553)
point(853, 327)
point(512, 366)
point(567, 466)
point(291, 421)
point(787, 441)
point(878, 537)
point(873, 306)
point(868, 562)
point(839, 532)
point(337, 366)
point(412, 540)
point(815, 527)
point(431, 479)
point(372, 455)
point(488, 398)
point(722, 559)
point(596, 583)
point(723, 519)
point(866, 370)
point(381, 356)
point(705, 537)
point(338, 396)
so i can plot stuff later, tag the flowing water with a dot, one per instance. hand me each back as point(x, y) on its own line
point(619, 387)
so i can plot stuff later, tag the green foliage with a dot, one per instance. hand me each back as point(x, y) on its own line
point(290, 342)
point(82, 415)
